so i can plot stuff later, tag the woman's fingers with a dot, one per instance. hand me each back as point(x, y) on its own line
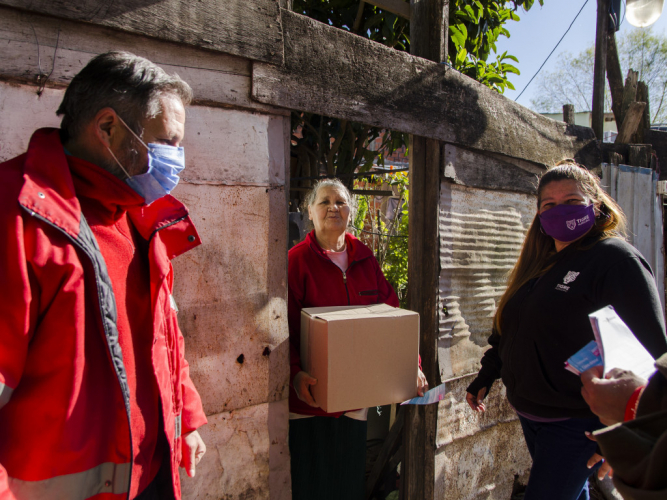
point(604, 470)
point(422, 384)
point(475, 402)
point(302, 383)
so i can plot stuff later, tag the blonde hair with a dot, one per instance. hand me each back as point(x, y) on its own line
point(534, 260)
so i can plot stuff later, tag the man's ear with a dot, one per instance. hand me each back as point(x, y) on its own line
point(108, 127)
point(310, 215)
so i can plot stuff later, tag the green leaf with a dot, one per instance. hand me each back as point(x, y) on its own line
point(458, 34)
point(495, 79)
point(461, 56)
point(508, 68)
point(471, 12)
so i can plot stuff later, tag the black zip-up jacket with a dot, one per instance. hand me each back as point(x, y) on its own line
point(546, 322)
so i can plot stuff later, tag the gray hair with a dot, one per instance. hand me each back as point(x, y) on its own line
point(129, 84)
point(311, 196)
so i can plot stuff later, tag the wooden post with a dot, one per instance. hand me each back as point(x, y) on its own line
point(633, 117)
point(645, 122)
point(639, 155)
point(428, 39)
point(615, 78)
point(568, 114)
point(629, 93)
point(599, 69)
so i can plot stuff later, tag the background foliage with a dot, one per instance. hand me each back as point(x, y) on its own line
point(388, 238)
point(640, 50)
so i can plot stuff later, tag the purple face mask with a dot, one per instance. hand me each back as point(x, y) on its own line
point(568, 222)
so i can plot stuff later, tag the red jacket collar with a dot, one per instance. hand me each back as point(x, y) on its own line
point(48, 191)
point(356, 250)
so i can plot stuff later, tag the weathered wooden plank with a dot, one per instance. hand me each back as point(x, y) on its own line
point(568, 114)
point(631, 120)
point(29, 41)
point(629, 92)
point(391, 443)
point(428, 36)
point(475, 169)
point(244, 28)
point(597, 115)
point(614, 77)
point(639, 155)
point(658, 140)
point(398, 7)
point(336, 73)
point(645, 122)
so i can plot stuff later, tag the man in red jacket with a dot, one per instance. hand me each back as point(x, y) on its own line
point(95, 395)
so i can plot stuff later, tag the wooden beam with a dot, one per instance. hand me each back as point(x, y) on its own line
point(614, 77)
point(645, 122)
point(568, 114)
point(475, 169)
point(428, 40)
point(658, 141)
point(391, 444)
point(249, 29)
point(398, 7)
point(602, 28)
point(639, 155)
point(629, 93)
point(336, 73)
point(216, 79)
point(418, 466)
point(631, 121)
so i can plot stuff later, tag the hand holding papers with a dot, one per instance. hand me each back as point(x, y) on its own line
point(615, 345)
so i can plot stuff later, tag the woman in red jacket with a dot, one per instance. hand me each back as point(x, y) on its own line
point(329, 268)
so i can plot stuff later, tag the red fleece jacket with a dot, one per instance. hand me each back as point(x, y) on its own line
point(104, 202)
point(315, 281)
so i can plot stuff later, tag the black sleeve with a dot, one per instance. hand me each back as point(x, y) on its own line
point(628, 286)
point(490, 370)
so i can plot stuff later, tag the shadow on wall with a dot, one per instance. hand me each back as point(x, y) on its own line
point(232, 291)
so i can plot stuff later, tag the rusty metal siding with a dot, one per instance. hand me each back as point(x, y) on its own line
point(481, 233)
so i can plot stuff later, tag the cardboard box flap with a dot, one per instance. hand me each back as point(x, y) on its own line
point(356, 312)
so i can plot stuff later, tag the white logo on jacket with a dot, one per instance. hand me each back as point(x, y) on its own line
point(570, 277)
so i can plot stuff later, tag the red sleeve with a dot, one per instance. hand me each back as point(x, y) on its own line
point(193, 415)
point(18, 305)
point(387, 294)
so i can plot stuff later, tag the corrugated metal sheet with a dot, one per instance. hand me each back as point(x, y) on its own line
point(634, 189)
point(481, 233)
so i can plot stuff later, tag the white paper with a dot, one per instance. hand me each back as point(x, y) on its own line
point(618, 345)
point(433, 396)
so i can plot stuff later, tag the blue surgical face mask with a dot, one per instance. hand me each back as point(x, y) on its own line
point(164, 165)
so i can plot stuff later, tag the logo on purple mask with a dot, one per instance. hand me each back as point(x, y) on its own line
point(568, 222)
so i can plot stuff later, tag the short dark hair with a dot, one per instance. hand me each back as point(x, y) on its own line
point(129, 84)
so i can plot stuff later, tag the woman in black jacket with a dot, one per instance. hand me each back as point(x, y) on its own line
point(574, 261)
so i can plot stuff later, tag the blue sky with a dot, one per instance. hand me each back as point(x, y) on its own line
point(539, 30)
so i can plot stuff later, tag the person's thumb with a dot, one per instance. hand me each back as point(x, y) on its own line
point(310, 380)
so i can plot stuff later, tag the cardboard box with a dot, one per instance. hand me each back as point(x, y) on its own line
point(361, 356)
